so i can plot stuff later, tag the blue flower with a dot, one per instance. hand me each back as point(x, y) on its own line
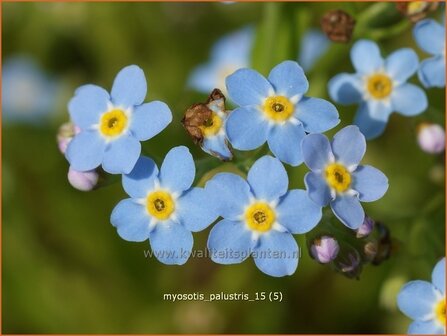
point(379, 86)
point(424, 302)
point(313, 45)
point(28, 94)
point(275, 110)
point(430, 36)
point(163, 207)
point(337, 178)
point(112, 126)
point(259, 218)
point(229, 54)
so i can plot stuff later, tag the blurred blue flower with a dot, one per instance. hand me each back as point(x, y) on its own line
point(163, 207)
point(313, 45)
point(337, 178)
point(28, 94)
point(259, 218)
point(112, 126)
point(229, 54)
point(430, 36)
point(424, 302)
point(275, 110)
point(215, 140)
point(379, 86)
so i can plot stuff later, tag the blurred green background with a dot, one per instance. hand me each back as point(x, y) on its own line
point(65, 269)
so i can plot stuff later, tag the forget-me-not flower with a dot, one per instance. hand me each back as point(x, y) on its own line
point(259, 218)
point(424, 302)
point(112, 126)
point(275, 110)
point(337, 178)
point(28, 94)
point(163, 207)
point(230, 53)
point(379, 87)
point(430, 36)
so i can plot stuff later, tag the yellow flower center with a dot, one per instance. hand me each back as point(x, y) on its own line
point(337, 177)
point(113, 123)
point(278, 108)
point(379, 86)
point(160, 204)
point(440, 312)
point(211, 126)
point(260, 217)
point(416, 7)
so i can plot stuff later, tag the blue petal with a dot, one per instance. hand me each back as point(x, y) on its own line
point(297, 212)
point(409, 99)
point(268, 178)
point(438, 276)
point(317, 188)
point(177, 171)
point(217, 146)
point(129, 87)
point(348, 210)
point(234, 48)
point(317, 151)
point(346, 89)
point(317, 115)
point(121, 155)
point(349, 145)
point(141, 179)
point(430, 36)
point(276, 254)
point(284, 141)
point(246, 129)
point(288, 79)
point(194, 209)
point(86, 151)
point(131, 220)
point(229, 242)
point(171, 243)
point(313, 45)
point(229, 193)
point(248, 87)
point(370, 182)
point(203, 78)
point(417, 299)
point(432, 72)
point(402, 64)
point(86, 107)
point(429, 327)
point(365, 56)
point(371, 118)
point(150, 119)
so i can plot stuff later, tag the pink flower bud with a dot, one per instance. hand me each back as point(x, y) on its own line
point(84, 181)
point(365, 229)
point(431, 138)
point(325, 249)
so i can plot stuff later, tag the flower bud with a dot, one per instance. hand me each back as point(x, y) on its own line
point(84, 181)
point(416, 10)
point(325, 249)
point(351, 265)
point(66, 132)
point(338, 25)
point(431, 138)
point(370, 249)
point(365, 229)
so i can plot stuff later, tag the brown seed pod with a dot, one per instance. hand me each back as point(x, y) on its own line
point(338, 25)
point(416, 10)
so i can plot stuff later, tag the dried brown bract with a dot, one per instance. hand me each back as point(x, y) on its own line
point(416, 10)
point(338, 25)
